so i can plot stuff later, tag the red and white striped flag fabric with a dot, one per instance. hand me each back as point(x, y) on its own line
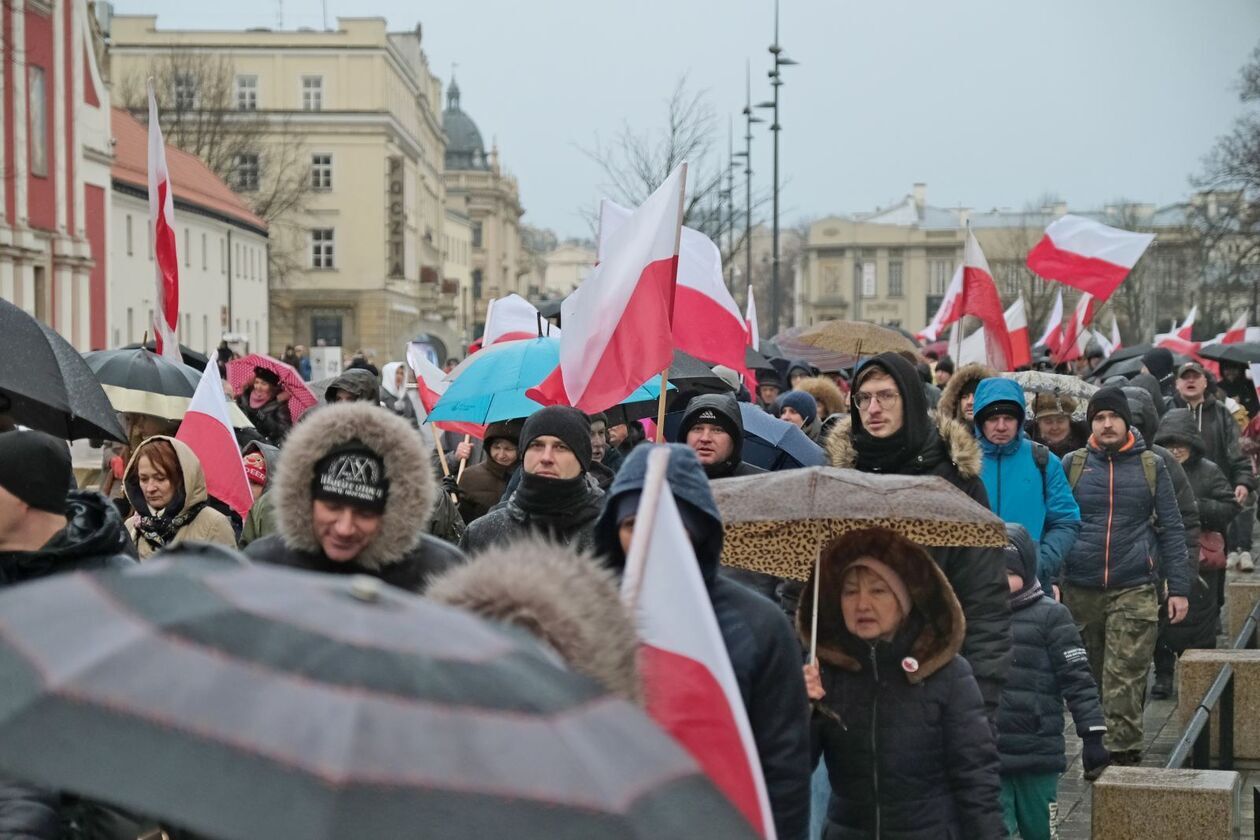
point(948, 312)
point(707, 322)
point(162, 225)
point(1116, 342)
point(431, 383)
point(1087, 255)
point(1076, 332)
point(1237, 333)
point(1186, 330)
point(688, 680)
point(750, 320)
point(1052, 337)
point(617, 331)
point(1017, 328)
point(512, 317)
point(208, 432)
point(980, 298)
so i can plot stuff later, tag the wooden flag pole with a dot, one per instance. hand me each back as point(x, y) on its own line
point(446, 468)
point(660, 407)
point(813, 621)
point(463, 462)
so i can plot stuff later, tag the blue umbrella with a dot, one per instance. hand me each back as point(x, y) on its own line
point(490, 385)
point(769, 443)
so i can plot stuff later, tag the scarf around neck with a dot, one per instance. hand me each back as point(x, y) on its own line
point(551, 500)
point(160, 528)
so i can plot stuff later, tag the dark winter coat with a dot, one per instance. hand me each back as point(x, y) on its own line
point(1142, 405)
point(272, 420)
point(537, 508)
point(1220, 440)
point(966, 378)
point(94, 538)
point(482, 484)
point(910, 751)
point(1213, 492)
point(359, 383)
point(1050, 668)
point(1151, 385)
point(1118, 547)
point(728, 407)
point(1242, 390)
point(763, 651)
point(401, 554)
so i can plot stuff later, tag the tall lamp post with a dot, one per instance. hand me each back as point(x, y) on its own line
point(776, 81)
point(749, 119)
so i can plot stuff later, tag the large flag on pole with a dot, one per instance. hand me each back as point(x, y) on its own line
point(431, 383)
point(512, 317)
point(980, 298)
point(1087, 255)
point(688, 681)
point(1052, 337)
point(162, 225)
point(208, 432)
point(750, 321)
point(1017, 328)
point(1186, 330)
point(948, 312)
point(707, 323)
point(1076, 332)
point(617, 330)
point(1116, 342)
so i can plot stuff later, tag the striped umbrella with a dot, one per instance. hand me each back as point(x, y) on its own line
point(245, 702)
point(140, 381)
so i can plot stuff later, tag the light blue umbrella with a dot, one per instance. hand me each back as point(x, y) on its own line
point(490, 385)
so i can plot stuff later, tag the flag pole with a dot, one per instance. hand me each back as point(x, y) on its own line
point(813, 620)
point(673, 289)
point(644, 523)
point(463, 462)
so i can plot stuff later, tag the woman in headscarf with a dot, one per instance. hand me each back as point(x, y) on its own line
point(481, 487)
point(394, 392)
point(265, 402)
point(167, 488)
point(898, 716)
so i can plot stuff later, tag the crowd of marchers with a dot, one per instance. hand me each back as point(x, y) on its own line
point(935, 705)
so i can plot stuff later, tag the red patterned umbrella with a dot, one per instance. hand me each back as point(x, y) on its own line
point(240, 373)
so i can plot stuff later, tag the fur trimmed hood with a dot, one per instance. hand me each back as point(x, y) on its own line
point(826, 393)
point(565, 599)
point(967, 376)
point(412, 488)
point(960, 445)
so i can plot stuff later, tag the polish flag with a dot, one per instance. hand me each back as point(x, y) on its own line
point(1187, 326)
point(617, 325)
point(980, 298)
point(750, 321)
point(1237, 333)
point(1017, 327)
point(688, 681)
point(208, 432)
point(431, 383)
point(511, 318)
point(1053, 335)
point(707, 321)
point(165, 259)
point(1104, 343)
point(1076, 333)
point(948, 312)
point(1116, 342)
point(1087, 255)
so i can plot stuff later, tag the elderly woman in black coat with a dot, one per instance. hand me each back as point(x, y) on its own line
point(898, 714)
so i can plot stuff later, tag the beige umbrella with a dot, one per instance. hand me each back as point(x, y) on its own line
point(856, 338)
point(778, 523)
point(166, 406)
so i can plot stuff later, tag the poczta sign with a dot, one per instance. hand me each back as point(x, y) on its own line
point(395, 217)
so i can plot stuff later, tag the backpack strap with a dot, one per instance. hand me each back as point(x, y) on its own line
point(1041, 456)
point(1076, 466)
point(1150, 468)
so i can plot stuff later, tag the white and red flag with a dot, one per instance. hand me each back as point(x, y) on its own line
point(208, 432)
point(1116, 342)
point(1017, 328)
point(1237, 333)
point(948, 312)
point(431, 383)
point(1186, 330)
point(1052, 337)
point(980, 298)
point(707, 322)
point(512, 317)
point(165, 258)
point(1076, 333)
point(1087, 255)
point(688, 681)
point(750, 321)
point(617, 324)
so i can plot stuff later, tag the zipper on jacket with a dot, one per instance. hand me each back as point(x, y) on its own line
point(1111, 512)
point(999, 485)
point(875, 739)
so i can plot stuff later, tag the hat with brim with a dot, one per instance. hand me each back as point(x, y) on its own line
point(267, 375)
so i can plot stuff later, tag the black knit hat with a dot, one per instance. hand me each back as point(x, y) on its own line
point(563, 422)
point(1110, 398)
point(35, 467)
point(1010, 409)
point(268, 375)
point(352, 474)
point(1159, 361)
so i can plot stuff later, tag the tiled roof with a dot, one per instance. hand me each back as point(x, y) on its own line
point(194, 183)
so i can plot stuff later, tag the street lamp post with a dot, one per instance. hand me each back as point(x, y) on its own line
point(749, 119)
point(776, 81)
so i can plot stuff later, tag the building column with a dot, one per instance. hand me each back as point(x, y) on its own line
point(58, 72)
point(24, 286)
point(62, 318)
point(17, 28)
point(6, 276)
point(83, 309)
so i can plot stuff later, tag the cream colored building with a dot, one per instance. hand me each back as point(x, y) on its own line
point(367, 255)
point(477, 187)
point(564, 268)
point(457, 271)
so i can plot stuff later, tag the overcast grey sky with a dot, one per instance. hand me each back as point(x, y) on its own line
point(991, 102)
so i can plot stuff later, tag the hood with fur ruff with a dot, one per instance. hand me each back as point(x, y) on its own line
point(960, 444)
point(826, 393)
point(412, 489)
point(967, 376)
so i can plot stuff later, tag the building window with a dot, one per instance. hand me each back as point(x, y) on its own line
point(312, 93)
point(247, 171)
point(326, 328)
point(39, 121)
point(868, 280)
point(321, 172)
point(939, 274)
point(476, 284)
point(895, 288)
point(476, 234)
point(184, 91)
point(129, 248)
point(247, 93)
point(322, 248)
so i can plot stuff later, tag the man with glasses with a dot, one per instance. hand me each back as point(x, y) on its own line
point(889, 431)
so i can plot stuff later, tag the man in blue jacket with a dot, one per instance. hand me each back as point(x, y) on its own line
point(1124, 492)
point(1025, 484)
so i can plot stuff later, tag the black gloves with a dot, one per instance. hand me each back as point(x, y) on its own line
point(450, 485)
point(1094, 756)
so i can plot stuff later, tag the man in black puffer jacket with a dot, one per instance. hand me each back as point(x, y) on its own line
point(763, 650)
point(1050, 668)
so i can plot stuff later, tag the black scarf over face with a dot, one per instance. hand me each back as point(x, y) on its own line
point(551, 500)
point(888, 455)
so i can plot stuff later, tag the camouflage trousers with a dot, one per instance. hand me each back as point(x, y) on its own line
point(1118, 628)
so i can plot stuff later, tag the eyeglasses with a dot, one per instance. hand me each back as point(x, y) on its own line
point(884, 398)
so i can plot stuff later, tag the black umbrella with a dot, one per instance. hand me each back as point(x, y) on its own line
point(140, 381)
point(1127, 361)
point(754, 361)
point(769, 443)
point(190, 356)
point(245, 702)
point(47, 384)
point(1243, 353)
point(689, 377)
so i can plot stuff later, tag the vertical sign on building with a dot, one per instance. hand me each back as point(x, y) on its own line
point(395, 217)
point(868, 279)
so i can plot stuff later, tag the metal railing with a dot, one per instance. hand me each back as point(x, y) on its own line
point(1195, 745)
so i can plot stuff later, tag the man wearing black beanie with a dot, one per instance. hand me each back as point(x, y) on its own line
point(1131, 535)
point(1159, 363)
point(556, 498)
